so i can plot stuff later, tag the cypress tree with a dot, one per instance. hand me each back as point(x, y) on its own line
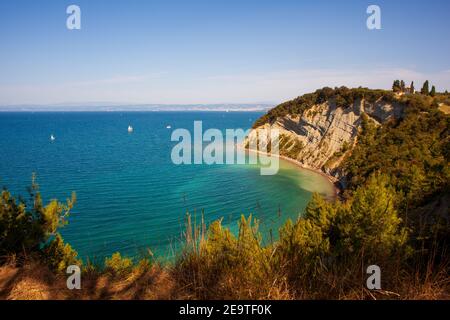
point(412, 86)
point(425, 89)
point(396, 86)
point(433, 91)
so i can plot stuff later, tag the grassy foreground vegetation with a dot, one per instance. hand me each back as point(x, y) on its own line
point(394, 213)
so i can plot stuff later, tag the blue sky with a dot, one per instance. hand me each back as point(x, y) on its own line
point(178, 52)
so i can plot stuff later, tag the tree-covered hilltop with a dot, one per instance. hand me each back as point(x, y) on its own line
point(344, 97)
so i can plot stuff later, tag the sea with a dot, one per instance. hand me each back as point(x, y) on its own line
point(131, 197)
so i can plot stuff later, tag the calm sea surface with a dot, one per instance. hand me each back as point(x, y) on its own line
point(130, 196)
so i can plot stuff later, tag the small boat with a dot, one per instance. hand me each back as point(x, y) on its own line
point(169, 127)
point(130, 129)
point(52, 138)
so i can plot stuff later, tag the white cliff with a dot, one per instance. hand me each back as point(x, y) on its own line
point(323, 134)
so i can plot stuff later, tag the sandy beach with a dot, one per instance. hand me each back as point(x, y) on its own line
point(333, 181)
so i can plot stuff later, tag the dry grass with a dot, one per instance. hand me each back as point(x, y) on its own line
point(32, 281)
point(36, 282)
point(444, 108)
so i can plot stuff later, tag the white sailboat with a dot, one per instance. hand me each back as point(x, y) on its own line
point(169, 127)
point(52, 137)
point(130, 129)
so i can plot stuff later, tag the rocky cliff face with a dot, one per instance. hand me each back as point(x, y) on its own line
point(323, 134)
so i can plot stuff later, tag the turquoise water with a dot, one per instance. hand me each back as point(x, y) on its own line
point(129, 194)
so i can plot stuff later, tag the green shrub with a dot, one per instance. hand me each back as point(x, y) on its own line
point(30, 228)
point(59, 256)
point(227, 266)
point(336, 235)
point(301, 249)
point(118, 265)
point(369, 221)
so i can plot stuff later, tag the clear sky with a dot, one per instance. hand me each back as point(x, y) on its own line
point(180, 52)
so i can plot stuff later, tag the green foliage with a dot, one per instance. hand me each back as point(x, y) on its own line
point(242, 252)
point(331, 234)
point(396, 86)
point(433, 91)
point(118, 265)
point(222, 264)
point(413, 152)
point(290, 147)
point(303, 246)
point(342, 97)
point(402, 86)
point(59, 256)
point(294, 149)
point(142, 266)
point(29, 227)
point(345, 147)
point(369, 221)
point(425, 88)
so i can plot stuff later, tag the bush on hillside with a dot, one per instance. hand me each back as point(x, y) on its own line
point(118, 265)
point(221, 264)
point(30, 228)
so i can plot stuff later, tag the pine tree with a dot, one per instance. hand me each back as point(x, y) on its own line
point(396, 86)
point(371, 221)
point(433, 91)
point(402, 86)
point(425, 89)
point(32, 228)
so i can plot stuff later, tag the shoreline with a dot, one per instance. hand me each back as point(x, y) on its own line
point(332, 180)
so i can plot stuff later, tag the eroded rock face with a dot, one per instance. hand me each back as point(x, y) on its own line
point(321, 137)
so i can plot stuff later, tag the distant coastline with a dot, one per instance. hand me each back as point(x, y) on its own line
point(138, 108)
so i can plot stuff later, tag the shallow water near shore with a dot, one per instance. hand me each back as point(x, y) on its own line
point(130, 196)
